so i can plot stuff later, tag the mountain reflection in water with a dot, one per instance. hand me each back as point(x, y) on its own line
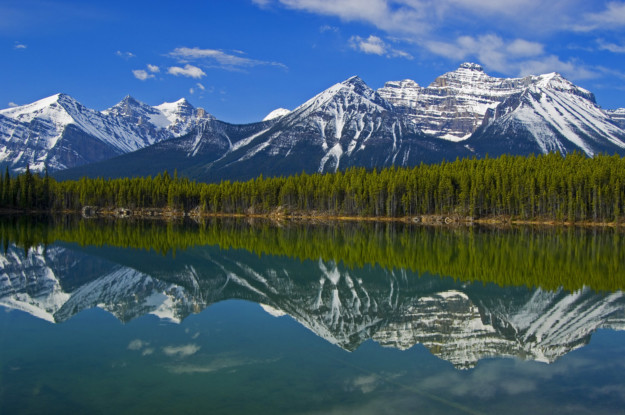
point(459, 320)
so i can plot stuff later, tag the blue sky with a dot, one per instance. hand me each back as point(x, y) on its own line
point(240, 59)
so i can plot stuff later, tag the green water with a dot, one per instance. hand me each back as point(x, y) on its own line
point(226, 317)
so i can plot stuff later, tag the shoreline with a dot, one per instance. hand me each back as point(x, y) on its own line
point(89, 212)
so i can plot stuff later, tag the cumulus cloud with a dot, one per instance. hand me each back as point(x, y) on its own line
point(188, 71)
point(421, 17)
point(517, 57)
point(373, 45)
point(20, 46)
point(153, 68)
point(571, 69)
point(511, 36)
point(376, 46)
point(142, 74)
point(491, 50)
point(199, 85)
point(181, 351)
point(218, 58)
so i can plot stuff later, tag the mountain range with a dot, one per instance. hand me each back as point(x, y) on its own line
point(459, 322)
point(462, 113)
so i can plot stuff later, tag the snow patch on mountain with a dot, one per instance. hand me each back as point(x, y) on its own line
point(277, 113)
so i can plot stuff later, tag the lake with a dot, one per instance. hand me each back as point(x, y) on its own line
point(239, 317)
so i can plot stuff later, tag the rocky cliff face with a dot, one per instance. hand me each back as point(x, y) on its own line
point(534, 114)
point(453, 106)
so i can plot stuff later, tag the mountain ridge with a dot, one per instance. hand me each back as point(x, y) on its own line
point(462, 113)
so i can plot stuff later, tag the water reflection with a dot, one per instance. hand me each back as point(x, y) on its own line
point(461, 321)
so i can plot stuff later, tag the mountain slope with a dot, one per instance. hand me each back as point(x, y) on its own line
point(462, 113)
point(552, 114)
point(189, 154)
point(58, 132)
point(349, 124)
point(454, 105)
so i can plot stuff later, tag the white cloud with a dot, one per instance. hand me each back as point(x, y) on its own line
point(188, 71)
point(517, 57)
point(399, 15)
point(191, 91)
point(328, 28)
point(491, 50)
point(523, 48)
point(199, 85)
point(181, 351)
point(13, 104)
point(611, 47)
point(215, 57)
point(376, 46)
point(125, 55)
point(421, 17)
point(552, 63)
point(20, 46)
point(153, 68)
point(373, 45)
point(141, 74)
point(612, 17)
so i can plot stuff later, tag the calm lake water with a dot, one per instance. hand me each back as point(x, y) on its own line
point(228, 317)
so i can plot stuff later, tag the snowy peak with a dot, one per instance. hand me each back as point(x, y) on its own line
point(557, 82)
point(129, 107)
point(350, 93)
point(551, 114)
point(453, 106)
point(277, 113)
point(458, 103)
point(54, 132)
point(471, 66)
point(53, 108)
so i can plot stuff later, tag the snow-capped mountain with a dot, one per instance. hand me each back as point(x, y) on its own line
point(538, 114)
point(550, 115)
point(349, 124)
point(58, 132)
point(462, 113)
point(459, 322)
point(453, 106)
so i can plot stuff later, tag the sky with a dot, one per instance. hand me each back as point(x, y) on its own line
point(240, 59)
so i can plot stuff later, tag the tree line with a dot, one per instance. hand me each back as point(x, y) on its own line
point(552, 187)
point(548, 258)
